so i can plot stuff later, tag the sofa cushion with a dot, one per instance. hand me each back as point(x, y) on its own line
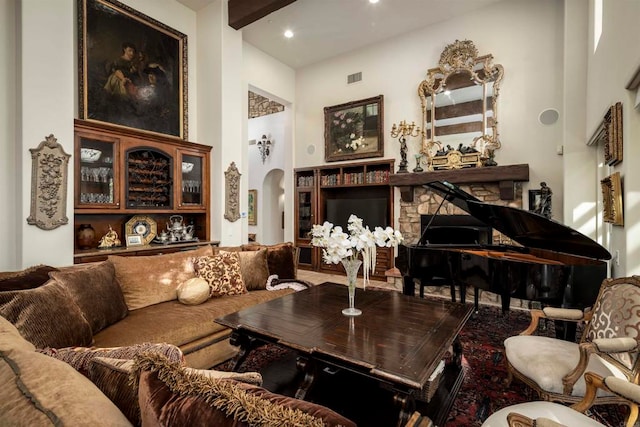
point(46, 316)
point(170, 396)
point(148, 280)
point(38, 390)
point(11, 339)
point(176, 323)
point(29, 278)
point(80, 357)
point(193, 291)
point(95, 290)
point(222, 272)
point(254, 268)
point(281, 259)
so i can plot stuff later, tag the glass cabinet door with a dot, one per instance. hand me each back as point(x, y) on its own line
point(192, 181)
point(96, 167)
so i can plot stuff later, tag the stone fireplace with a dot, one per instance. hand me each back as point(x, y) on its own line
point(501, 185)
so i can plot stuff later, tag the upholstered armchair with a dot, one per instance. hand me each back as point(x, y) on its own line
point(550, 414)
point(608, 346)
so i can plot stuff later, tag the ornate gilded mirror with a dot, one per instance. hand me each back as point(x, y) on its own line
point(459, 109)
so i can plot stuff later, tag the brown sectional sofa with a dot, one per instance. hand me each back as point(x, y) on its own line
point(67, 334)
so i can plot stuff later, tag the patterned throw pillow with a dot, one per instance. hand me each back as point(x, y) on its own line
point(222, 272)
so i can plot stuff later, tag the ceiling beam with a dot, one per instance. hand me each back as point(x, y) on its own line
point(244, 12)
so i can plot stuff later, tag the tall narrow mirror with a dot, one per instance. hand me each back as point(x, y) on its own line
point(459, 109)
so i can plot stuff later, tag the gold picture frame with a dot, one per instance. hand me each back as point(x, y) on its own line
point(253, 205)
point(132, 69)
point(143, 226)
point(613, 135)
point(612, 199)
point(354, 130)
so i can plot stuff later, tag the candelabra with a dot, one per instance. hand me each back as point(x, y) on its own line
point(264, 147)
point(401, 131)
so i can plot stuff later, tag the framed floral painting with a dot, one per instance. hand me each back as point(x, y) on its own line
point(354, 130)
point(132, 69)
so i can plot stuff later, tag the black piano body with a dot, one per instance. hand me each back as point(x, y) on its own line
point(554, 264)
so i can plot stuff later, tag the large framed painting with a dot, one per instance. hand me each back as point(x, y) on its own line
point(354, 130)
point(133, 69)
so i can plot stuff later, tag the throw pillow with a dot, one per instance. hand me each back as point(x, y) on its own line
point(170, 396)
point(281, 258)
point(222, 272)
point(46, 316)
point(254, 268)
point(193, 291)
point(97, 293)
point(29, 278)
point(112, 377)
point(148, 280)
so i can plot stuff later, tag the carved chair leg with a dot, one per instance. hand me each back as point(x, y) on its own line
point(633, 415)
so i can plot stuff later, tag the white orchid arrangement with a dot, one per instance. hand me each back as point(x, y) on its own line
point(337, 245)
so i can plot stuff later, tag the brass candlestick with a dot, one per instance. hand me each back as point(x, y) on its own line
point(401, 131)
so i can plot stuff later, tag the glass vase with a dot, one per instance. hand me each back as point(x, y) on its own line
point(351, 267)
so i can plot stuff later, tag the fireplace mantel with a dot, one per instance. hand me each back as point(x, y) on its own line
point(505, 176)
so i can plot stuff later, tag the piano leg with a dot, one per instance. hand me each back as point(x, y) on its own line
point(408, 287)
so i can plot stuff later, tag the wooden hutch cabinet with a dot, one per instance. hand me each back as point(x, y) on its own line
point(121, 173)
point(332, 193)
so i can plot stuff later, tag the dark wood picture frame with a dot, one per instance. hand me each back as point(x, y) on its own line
point(132, 69)
point(613, 135)
point(253, 207)
point(354, 130)
point(612, 199)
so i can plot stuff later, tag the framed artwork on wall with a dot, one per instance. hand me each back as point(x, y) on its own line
point(354, 130)
point(612, 199)
point(253, 204)
point(132, 69)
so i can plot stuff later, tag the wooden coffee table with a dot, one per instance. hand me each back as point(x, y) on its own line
point(399, 340)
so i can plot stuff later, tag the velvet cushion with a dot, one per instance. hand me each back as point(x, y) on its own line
point(148, 280)
point(113, 381)
point(97, 293)
point(40, 391)
point(10, 338)
point(29, 278)
point(254, 268)
point(222, 272)
point(169, 396)
point(46, 316)
point(281, 259)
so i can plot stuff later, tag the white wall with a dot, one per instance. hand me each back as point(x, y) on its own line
point(611, 64)
point(526, 37)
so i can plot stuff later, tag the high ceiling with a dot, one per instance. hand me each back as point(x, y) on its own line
point(326, 28)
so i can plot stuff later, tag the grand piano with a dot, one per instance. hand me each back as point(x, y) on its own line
point(552, 263)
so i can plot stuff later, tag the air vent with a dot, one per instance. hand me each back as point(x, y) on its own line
point(355, 77)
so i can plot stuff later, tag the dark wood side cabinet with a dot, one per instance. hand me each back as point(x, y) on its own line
point(330, 193)
point(121, 173)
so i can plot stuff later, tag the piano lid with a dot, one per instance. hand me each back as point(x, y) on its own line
point(527, 228)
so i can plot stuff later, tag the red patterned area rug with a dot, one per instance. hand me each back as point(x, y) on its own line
point(482, 391)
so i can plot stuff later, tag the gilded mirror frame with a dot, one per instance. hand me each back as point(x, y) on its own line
point(460, 67)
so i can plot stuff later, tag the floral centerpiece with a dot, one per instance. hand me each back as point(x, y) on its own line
point(347, 248)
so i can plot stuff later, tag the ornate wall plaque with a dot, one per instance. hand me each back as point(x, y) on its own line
point(49, 164)
point(232, 193)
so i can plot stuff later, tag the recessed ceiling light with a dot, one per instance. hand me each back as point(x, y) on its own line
point(288, 34)
point(373, 1)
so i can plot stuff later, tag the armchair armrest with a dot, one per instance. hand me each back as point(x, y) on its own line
point(615, 345)
point(554, 313)
point(618, 386)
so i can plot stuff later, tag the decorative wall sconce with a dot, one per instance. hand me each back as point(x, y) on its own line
point(264, 147)
point(401, 131)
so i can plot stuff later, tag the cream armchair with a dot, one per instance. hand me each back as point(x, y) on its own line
point(549, 414)
point(608, 346)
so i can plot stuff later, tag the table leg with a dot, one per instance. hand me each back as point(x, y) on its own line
point(406, 404)
point(310, 370)
point(245, 343)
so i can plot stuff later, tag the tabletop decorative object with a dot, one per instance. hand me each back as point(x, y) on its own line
point(401, 131)
point(338, 246)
